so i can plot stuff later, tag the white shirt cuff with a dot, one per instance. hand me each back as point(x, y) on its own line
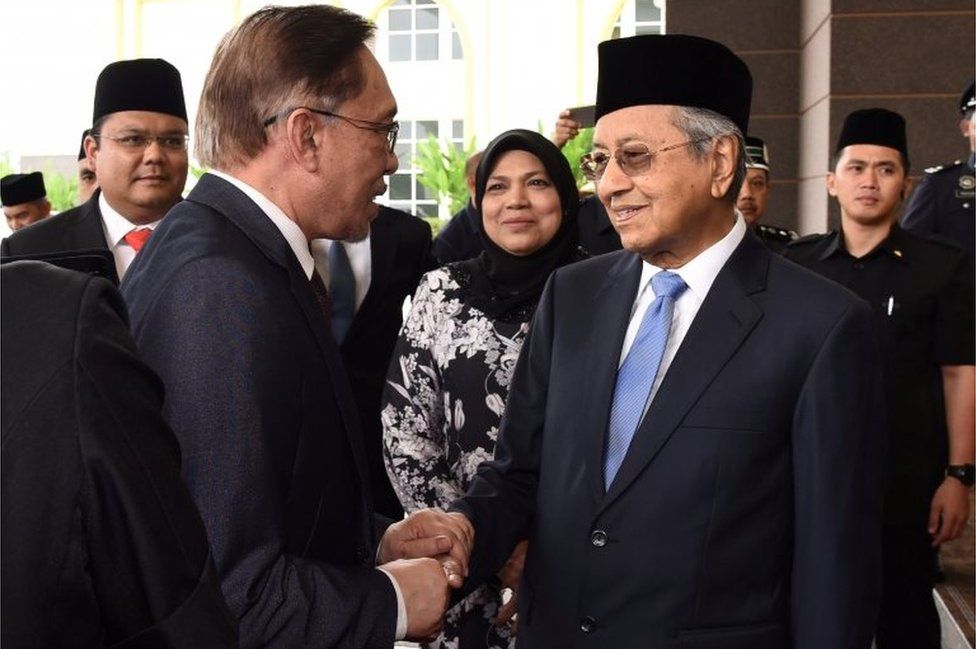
point(401, 626)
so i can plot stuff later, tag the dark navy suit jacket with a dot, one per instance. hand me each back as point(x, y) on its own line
point(257, 395)
point(747, 512)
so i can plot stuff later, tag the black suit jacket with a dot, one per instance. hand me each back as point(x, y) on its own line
point(596, 233)
point(747, 511)
point(79, 228)
point(101, 541)
point(272, 449)
point(459, 239)
point(400, 255)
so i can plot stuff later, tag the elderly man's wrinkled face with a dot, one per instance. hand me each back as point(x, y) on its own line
point(22, 215)
point(354, 160)
point(753, 195)
point(668, 212)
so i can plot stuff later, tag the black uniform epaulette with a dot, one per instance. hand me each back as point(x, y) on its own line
point(778, 234)
point(940, 168)
point(810, 238)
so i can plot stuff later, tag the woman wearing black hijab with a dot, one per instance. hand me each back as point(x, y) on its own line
point(453, 363)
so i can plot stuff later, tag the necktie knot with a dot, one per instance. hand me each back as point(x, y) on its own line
point(137, 238)
point(668, 284)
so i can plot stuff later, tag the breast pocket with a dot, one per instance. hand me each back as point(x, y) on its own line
point(737, 420)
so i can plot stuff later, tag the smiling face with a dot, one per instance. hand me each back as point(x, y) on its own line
point(753, 195)
point(520, 207)
point(140, 183)
point(869, 183)
point(676, 208)
point(354, 160)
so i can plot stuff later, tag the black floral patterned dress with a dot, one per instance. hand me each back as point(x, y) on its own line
point(444, 400)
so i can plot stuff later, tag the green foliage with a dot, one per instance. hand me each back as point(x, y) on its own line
point(441, 168)
point(435, 224)
point(574, 150)
point(196, 171)
point(62, 191)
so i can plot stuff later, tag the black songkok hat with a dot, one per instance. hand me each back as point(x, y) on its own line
point(81, 151)
point(140, 84)
point(21, 188)
point(676, 70)
point(757, 154)
point(968, 100)
point(874, 126)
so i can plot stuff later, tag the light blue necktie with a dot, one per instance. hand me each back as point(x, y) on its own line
point(342, 291)
point(636, 376)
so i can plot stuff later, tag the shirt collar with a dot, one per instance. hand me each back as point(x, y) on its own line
point(700, 273)
point(115, 225)
point(894, 244)
point(288, 228)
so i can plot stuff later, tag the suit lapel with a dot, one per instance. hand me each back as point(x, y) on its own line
point(255, 224)
point(612, 304)
point(86, 231)
point(723, 322)
point(382, 253)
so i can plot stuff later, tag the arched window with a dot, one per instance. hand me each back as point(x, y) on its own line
point(420, 49)
point(640, 17)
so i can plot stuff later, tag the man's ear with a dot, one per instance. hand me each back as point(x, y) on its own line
point(831, 184)
point(302, 139)
point(725, 153)
point(91, 147)
point(906, 187)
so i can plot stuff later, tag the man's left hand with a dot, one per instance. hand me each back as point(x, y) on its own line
point(949, 511)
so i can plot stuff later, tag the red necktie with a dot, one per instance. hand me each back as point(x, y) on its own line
point(137, 238)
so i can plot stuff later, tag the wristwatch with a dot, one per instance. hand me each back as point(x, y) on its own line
point(964, 473)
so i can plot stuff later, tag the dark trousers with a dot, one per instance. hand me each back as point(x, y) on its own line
point(908, 618)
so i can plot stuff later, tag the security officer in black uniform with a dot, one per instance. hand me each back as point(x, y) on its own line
point(755, 193)
point(945, 200)
point(922, 295)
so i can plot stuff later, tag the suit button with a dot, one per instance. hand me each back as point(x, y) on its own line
point(588, 624)
point(598, 538)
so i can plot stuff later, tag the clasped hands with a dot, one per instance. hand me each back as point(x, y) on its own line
point(427, 553)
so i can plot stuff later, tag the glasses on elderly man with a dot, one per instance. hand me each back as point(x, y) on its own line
point(141, 141)
point(633, 159)
point(391, 129)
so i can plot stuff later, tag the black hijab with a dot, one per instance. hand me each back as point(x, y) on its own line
point(500, 281)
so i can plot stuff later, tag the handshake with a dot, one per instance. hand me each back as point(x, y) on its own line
point(428, 553)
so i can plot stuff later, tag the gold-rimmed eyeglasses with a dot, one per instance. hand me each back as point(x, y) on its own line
point(141, 141)
point(633, 158)
point(390, 129)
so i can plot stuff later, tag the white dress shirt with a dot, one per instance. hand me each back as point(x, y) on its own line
point(360, 259)
point(299, 245)
point(115, 226)
point(698, 274)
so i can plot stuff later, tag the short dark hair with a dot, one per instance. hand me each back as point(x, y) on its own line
point(277, 58)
